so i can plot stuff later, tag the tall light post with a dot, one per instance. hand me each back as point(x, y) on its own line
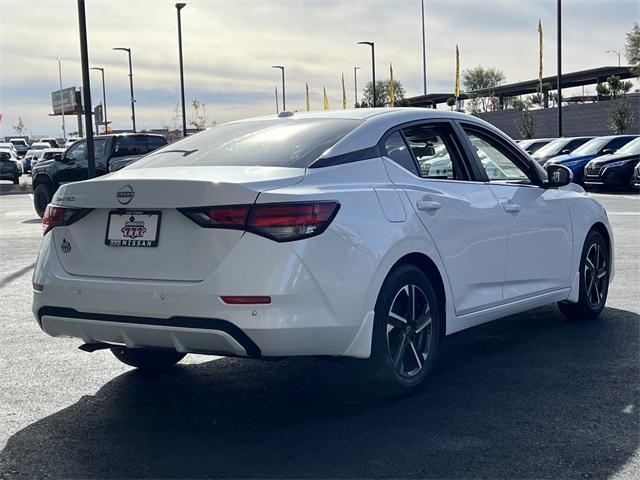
point(64, 130)
point(424, 52)
point(559, 54)
point(355, 84)
point(284, 100)
point(373, 68)
point(180, 6)
point(133, 108)
point(104, 98)
point(86, 90)
point(615, 52)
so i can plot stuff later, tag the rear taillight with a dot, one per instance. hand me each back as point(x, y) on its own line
point(60, 216)
point(282, 222)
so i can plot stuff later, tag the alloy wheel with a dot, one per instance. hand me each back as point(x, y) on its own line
point(409, 331)
point(595, 274)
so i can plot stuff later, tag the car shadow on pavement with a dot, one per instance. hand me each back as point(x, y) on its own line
point(532, 395)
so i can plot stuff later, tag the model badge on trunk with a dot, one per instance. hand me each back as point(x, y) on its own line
point(66, 246)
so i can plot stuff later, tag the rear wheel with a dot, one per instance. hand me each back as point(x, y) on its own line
point(16, 180)
point(42, 197)
point(153, 360)
point(594, 280)
point(406, 332)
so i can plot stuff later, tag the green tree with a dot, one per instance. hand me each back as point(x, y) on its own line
point(382, 94)
point(620, 116)
point(632, 48)
point(618, 88)
point(451, 102)
point(481, 78)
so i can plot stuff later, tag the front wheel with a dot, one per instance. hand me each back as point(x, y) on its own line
point(594, 280)
point(42, 196)
point(406, 332)
point(153, 360)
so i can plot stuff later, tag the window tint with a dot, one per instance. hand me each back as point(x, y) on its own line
point(276, 142)
point(396, 149)
point(616, 143)
point(433, 152)
point(573, 144)
point(5, 156)
point(99, 147)
point(497, 165)
point(155, 142)
point(130, 145)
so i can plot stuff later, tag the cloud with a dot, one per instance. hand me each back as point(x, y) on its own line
point(229, 47)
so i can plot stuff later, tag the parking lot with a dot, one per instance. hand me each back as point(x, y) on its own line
point(532, 395)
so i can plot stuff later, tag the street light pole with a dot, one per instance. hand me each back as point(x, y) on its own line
point(133, 108)
point(104, 98)
point(180, 6)
point(86, 87)
point(64, 130)
point(559, 80)
point(424, 53)
point(615, 52)
point(373, 68)
point(355, 84)
point(284, 100)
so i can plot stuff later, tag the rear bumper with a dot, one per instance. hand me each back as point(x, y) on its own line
point(311, 312)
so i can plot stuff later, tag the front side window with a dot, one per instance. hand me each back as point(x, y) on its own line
point(77, 152)
point(495, 161)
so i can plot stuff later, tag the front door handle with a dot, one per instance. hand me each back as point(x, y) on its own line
point(428, 206)
point(511, 207)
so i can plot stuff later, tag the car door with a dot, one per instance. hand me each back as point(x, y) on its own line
point(461, 215)
point(539, 247)
point(73, 166)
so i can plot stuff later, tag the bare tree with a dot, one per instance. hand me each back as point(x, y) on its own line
point(19, 127)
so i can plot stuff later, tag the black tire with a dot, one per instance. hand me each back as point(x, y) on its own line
point(594, 280)
point(42, 196)
point(16, 180)
point(394, 371)
point(151, 360)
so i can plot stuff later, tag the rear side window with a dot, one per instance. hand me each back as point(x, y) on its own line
point(155, 142)
point(275, 143)
point(130, 145)
point(396, 149)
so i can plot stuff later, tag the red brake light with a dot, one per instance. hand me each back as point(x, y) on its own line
point(60, 216)
point(282, 222)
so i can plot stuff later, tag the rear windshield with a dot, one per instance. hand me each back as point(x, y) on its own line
point(273, 143)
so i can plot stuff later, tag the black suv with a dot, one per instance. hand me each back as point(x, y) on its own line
point(71, 166)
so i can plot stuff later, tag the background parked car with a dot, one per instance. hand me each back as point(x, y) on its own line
point(596, 147)
point(9, 146)
point(614, 170)
point(39, 146)
point(534, 144)
point(71, 165)
point(9, 167)
point(53, 143)
point(560, 146)
point(70, 141)
point(21, 146)
point(636, 177)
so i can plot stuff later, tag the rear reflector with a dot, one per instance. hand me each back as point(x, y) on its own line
point(282, 222)
point(245, 300)
point(37, 287)
point(61, 216)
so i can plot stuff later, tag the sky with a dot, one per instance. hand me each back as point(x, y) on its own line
point(230, 46)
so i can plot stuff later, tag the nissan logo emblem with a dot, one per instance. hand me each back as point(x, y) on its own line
point(125, 194)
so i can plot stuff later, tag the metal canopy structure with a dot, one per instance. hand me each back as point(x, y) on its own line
point(569, 80)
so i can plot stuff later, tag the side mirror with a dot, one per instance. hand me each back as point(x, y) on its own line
point(558, 176)
point(607, 151)
point(57, 157)
point(564, 151)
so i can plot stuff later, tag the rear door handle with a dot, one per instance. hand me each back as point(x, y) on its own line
point(428, 206)
point(511, 207)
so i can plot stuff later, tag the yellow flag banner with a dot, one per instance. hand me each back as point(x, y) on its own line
point(457, 87)
point(307, 96)
point(344, 94)
point(325, 99)
point(541, 46)
point(392, 88)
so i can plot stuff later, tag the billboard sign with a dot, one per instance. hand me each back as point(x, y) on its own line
point(66, 97)
point(97, 112)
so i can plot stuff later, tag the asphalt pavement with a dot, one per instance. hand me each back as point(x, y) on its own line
point(529, 396)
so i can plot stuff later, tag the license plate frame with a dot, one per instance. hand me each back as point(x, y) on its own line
point(133, 242)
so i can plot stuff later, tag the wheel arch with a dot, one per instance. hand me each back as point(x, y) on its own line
point(43, 179)
point(604, 230)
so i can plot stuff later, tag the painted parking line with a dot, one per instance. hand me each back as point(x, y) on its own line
point(623, 213)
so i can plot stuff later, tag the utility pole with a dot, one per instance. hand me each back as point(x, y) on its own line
point(64, 130)
point(86, 87)
point(424, 52)
point(284, 100)
point(373, 68)
point(180, 6)
point(559, 80)
point(355, 84)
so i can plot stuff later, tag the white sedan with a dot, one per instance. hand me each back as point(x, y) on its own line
point(319, 234)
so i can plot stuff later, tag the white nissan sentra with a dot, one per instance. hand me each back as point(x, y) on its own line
point(369, 233)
